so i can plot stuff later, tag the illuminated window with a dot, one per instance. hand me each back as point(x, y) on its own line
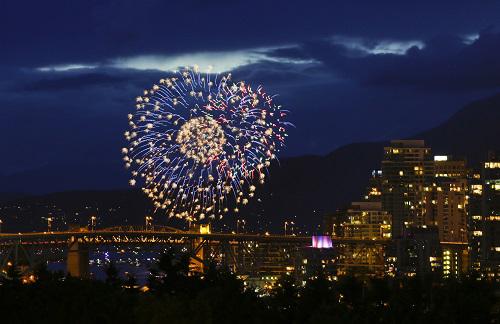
point(492, 165)
point(477, 189)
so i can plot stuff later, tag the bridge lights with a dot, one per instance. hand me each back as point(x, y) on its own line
point(149, 223)
point(205, 229)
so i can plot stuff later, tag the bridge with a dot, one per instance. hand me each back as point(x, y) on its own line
point(244, 253)
point(139, 234)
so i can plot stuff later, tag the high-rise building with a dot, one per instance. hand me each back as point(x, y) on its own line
point(374, 189)
point(407, 168)
point(366, 222)
point(420, 252)
point(447, 199)
point(490, 229)
point(427, 197)
point(474, 219)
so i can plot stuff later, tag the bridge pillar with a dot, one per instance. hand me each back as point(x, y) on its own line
point(77, 261)
point(198, 244)
point(198, 256)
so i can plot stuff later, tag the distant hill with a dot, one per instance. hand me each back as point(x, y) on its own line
point(65, 177)
point(471, 132)
point(304, 187)
point(8, 196)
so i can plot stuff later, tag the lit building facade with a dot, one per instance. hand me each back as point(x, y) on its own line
point(447, 200)
point(420, 252)
point(374, 189)
point(490, 229)
point(407, 169)
point(366, 222)
point(428, 198)
point(315, 261)
point(456, 259)
point(407, 173)
point(474, 219)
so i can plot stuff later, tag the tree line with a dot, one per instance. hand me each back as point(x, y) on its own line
point(219, 296)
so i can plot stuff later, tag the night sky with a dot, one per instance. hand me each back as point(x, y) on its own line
point(349, 71)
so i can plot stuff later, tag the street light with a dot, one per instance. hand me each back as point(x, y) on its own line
point(238, 225)
point(149, 221)
point(93, 220)
point(288, 223)
point(49, 224)
point(1, 222)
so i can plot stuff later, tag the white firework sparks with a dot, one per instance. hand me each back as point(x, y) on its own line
point(198, 143)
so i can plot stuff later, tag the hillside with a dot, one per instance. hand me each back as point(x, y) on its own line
point(471, 132)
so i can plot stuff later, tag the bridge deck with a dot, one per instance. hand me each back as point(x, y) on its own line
point(148, 236)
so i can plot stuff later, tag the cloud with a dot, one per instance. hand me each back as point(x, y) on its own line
point(213, 62)
point(59, 32)
point(225, 61)
point(65, 67)
point(470, 67)
point(368, 47)
point(440, 64)
point(470, 38)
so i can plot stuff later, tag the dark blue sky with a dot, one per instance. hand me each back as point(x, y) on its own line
point(348, 70)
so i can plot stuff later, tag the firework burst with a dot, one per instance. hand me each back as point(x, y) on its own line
point(199, 144)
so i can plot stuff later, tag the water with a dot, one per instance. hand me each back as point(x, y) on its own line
point(135, 261)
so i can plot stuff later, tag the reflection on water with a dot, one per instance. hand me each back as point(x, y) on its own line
point(135, 261)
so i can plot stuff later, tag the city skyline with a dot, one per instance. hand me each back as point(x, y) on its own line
point(254, 162)
point(420, 214)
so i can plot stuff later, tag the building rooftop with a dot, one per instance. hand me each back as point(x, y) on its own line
point(366, 205)
point(408, 143)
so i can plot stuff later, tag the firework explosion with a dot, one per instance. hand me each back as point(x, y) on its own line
point(200, 143)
